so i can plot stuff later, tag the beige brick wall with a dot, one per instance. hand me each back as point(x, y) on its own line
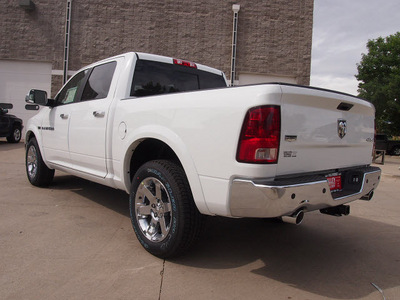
point(274, 37)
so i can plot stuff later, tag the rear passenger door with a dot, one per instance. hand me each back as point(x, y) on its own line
point(89, 118)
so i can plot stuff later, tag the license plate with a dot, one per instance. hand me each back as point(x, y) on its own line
point(335, 182)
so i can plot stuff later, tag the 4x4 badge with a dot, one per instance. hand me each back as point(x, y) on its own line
point(342, 128)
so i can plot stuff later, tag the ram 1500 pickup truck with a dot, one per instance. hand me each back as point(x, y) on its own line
point(183, 145)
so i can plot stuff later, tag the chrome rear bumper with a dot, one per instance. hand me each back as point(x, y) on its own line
point(268, 199)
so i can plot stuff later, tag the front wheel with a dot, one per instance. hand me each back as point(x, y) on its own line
point(36, 170)
point(15, 136)
point(163, 214)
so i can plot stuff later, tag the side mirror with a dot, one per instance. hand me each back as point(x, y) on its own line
point(37, 97)
point(6, 105)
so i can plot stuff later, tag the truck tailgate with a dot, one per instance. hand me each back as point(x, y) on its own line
point(323, 130)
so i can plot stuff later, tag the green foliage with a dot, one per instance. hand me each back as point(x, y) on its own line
point(379, 76)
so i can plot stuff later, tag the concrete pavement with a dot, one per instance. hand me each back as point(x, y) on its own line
point(74, 240)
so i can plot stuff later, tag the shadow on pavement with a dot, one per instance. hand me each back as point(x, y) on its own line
point(110, 198)
point(6, 146)
point(328, 256)
point(325, 256)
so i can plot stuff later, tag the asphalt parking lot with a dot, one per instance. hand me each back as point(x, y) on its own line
point(74, 240)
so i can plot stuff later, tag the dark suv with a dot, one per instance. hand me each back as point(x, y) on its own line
point(392, 147)
point(10, 125)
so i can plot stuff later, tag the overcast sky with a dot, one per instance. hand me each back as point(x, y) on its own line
point(341, 31)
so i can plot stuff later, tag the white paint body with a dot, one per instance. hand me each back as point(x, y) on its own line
point(203, 129)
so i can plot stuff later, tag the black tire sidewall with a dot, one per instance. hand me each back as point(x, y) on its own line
point(11, 138)
point(171, 243)
point(396, 151)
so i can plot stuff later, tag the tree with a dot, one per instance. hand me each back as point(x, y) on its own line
point(379, 76)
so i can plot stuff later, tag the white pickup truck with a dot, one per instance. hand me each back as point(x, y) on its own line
point(171, 134)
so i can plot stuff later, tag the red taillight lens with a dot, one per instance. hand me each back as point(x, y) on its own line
point(260, 136)
point(185, 63)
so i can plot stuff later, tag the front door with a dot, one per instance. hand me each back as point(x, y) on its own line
point(55, 126)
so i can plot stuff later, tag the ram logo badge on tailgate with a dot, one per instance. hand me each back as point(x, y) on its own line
point(342, 128)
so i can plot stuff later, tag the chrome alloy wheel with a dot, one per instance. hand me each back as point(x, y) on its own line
point(17, 134)
point(153, 209)
point(32, 162)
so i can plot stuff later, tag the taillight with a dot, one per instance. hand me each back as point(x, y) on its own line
point(260, 135)
point(185, 63)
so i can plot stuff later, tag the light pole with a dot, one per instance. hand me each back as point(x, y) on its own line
point(235, 8)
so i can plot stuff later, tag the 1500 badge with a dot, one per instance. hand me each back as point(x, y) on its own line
point(289, 153)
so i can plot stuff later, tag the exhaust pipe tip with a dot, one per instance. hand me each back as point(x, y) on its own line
point(295, 219)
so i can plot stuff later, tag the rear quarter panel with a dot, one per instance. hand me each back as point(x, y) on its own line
point(202, 128)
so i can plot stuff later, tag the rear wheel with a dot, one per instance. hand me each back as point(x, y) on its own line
point(15, 136)
point(396, 151)
point(38, 173)
point(163, 214)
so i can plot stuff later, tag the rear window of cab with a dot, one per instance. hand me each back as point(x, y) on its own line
point(155, 78)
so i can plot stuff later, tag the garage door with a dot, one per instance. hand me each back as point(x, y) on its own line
point(17, 78)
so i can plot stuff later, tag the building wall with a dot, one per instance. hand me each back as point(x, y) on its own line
point(274, 37)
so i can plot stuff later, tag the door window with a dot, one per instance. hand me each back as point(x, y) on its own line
point(99, 82)
point(69, 93)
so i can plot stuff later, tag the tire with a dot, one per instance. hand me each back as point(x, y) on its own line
point(36, 170)
point(15, 136)
point(396, 151)
point(163, 213)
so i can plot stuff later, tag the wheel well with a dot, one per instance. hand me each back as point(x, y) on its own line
point(29, 136)
point(17, 124)
point(151, 149)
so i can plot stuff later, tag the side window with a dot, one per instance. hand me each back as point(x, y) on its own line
point(69, 93)
point(99, 82)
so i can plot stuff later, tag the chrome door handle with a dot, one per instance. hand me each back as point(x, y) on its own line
point(64, 116)
point(99, 114)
